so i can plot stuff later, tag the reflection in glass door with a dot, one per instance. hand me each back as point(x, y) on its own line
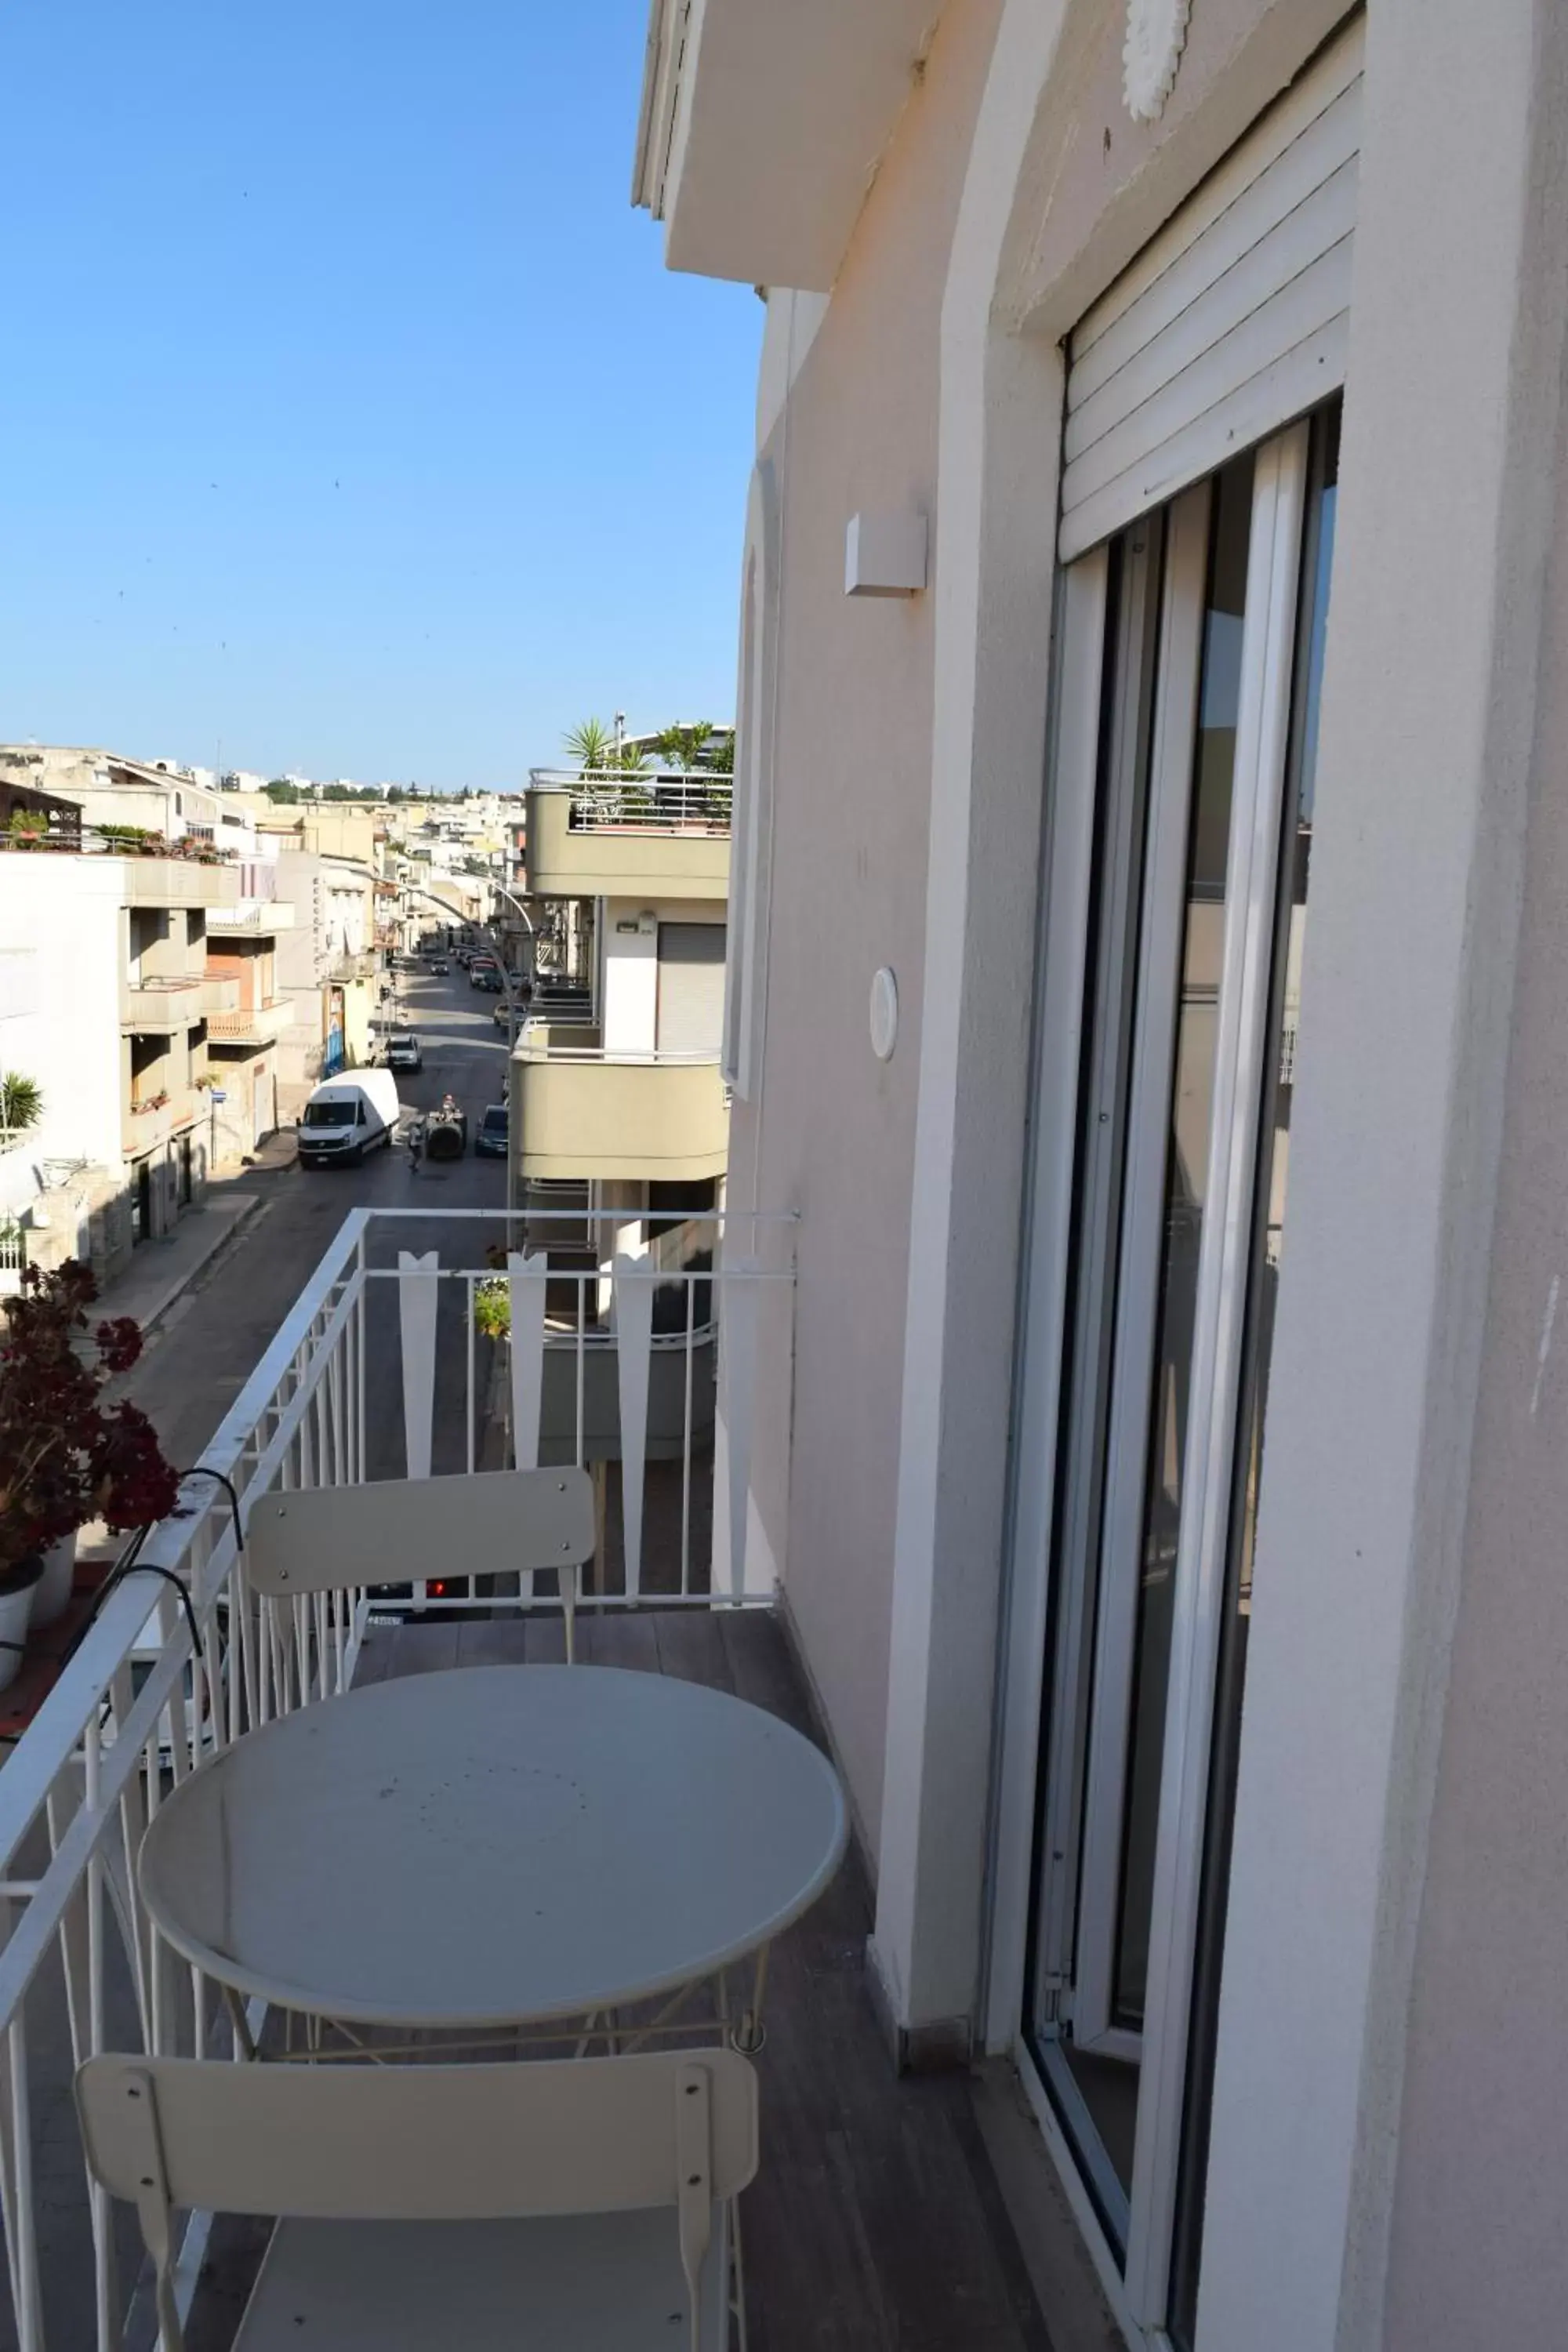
point(1184, 985)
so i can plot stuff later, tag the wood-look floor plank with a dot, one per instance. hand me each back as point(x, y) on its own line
point(425, 1649)
point(691, 1648)
point(763, 1668)
point(617, 1637)
point(546, 1639)
point(375, 1656)
point(500, 1640)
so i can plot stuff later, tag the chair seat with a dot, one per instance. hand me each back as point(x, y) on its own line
point(596, 2283)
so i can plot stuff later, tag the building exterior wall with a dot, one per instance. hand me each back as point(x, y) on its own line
point(62, 915)
point(1478, 2254)
point(832, 1131)
point(1387, 2128)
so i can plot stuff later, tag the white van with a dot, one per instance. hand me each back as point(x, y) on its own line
point(347, 1117)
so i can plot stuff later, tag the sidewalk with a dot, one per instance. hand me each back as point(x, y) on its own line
point(161, 1270)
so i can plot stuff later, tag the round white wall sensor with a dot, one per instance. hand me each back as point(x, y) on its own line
point(884, 1013)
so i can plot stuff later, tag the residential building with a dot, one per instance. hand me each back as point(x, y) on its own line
point(244, 1037)
point(105, 998)
point(326, 967)
point(150, 795)
point(1209, 1765)
point(616, 1085)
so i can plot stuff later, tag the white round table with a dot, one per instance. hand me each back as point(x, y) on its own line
point(492, 1845)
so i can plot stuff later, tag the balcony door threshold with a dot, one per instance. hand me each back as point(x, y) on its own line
point(1036, 2215)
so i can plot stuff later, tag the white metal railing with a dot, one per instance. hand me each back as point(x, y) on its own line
point(644, 1369)
point(536, 1048)
point(618, 800)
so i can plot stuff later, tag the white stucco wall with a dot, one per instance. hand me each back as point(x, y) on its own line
point(830, 1131)
point(63, 915)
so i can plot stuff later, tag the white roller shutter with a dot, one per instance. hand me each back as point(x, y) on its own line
point(690, 1017)
point(1231, 322)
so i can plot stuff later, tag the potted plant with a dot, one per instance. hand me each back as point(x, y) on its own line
point(21, 1103)
point(65, 1458)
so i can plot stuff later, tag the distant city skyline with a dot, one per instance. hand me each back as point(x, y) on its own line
point(357, 431)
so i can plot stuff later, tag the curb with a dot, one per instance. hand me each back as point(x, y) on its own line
point(213, 1258)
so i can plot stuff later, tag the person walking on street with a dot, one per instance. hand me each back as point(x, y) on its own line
point(416, 1147)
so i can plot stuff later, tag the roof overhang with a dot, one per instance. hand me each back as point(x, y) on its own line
point(762, 126)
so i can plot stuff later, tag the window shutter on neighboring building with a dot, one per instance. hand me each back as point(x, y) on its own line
point(690, 1017)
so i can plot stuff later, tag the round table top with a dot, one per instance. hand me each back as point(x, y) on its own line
point(493, 1845)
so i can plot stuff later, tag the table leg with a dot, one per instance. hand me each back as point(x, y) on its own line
point(751, 2033)
point(241, 2022)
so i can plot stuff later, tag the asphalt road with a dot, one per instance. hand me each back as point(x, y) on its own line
point(204, 1352)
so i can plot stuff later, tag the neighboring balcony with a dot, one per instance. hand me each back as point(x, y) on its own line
point(256, 1024)
point(158, 1008)
point(146, 1125)
point(251, 918)
point(178, 882)
point(578, 1110)
point(619, 836)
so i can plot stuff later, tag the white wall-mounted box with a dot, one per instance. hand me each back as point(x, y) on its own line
point(885, 556)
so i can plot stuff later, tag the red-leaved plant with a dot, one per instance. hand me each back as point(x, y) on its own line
point(65, 1457)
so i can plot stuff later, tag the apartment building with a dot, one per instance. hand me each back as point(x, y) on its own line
point(1154, 592)
point(326, 966)
point(615, 1084)
point(105, 998)
point(149, 796)
point(245, 1037)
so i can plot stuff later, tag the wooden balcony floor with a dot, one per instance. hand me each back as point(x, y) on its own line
point(876, 2223)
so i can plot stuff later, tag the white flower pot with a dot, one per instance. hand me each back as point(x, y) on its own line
point(17, 1591)
point(51, 1595)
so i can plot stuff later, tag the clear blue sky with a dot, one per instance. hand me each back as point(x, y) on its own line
point(348, 414)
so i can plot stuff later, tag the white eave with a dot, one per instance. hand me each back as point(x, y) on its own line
point(761, 125)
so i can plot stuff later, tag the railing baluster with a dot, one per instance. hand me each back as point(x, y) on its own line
point(582, 1346)
point(686, 1439)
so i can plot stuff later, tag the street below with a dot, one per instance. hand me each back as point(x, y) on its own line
point(205, 1348)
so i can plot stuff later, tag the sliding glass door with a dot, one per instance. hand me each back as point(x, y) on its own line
point(1180, 909)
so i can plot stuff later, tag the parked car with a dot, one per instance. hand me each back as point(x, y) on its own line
point(403, 1052)
point(491, 1140)
point(348, 1116)
point(485, 976)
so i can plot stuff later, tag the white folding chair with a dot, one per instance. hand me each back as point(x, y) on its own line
point(308, 1539)
point(519, 2207)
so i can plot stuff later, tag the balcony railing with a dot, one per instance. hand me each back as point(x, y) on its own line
point(388, 1363)
point(613, 836)
point(146, 1124)
point(613, 800)
point(581, 1108)
point(255, 915)
point(160, 1006)
point(258, 1024)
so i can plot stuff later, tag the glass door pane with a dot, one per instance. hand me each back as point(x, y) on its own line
point(1199, 652)
point(1185, 1192)
point(1267, 1248)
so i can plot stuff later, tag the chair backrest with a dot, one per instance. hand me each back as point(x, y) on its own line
point(394, 1530)
point(353, 2142)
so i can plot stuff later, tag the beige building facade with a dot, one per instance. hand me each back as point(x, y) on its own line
point(1145, 985)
